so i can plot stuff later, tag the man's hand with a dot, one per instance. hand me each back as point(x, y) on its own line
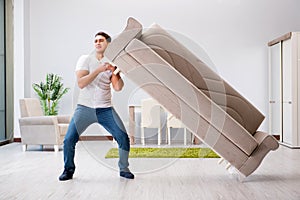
point(84, 77)
point(110, 67)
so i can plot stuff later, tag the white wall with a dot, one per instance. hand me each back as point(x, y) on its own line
point(234, 34)
point(2, 78)
point(19, 74)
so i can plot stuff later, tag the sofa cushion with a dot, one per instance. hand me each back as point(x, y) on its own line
point(186, 92)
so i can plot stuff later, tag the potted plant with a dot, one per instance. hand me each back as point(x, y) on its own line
point(50, 93)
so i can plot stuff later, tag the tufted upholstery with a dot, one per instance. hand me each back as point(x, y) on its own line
point(192, 92)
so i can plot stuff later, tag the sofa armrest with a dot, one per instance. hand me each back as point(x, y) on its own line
point(266, 143)
point(63, 119)
point(262, 136)
point(39, 120)
point(132, 30)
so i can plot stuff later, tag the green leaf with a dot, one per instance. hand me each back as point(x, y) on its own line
point(50, 93)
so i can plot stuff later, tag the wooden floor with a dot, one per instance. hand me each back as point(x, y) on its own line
point(33, 175)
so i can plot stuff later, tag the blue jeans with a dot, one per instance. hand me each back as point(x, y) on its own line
point(109, 119)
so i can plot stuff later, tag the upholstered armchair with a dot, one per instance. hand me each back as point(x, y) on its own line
point(151, 118)
point(173, 122)
point(37, 129)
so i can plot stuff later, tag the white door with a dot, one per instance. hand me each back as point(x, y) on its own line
point(287, 92)
point(274, 88)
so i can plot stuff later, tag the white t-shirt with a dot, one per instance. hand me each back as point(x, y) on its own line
point(97, 94)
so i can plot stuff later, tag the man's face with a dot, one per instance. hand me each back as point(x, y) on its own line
point(100, 43)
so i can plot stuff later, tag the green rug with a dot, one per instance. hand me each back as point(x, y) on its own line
point(165, 153)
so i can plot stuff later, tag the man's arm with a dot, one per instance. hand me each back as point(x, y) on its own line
point(84, 77)
point(116, 80)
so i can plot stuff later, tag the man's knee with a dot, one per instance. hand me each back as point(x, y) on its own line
point(123, 141)
point(70, 141)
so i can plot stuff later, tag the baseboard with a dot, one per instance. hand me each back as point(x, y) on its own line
point(289, 146)
point(83, 138)
point(17, 140)
point(108, 137)
point(4, 142)
point(95, 137)
point(277, 137)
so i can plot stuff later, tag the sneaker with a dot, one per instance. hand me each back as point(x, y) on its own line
point(128, 175)
point(65, 176)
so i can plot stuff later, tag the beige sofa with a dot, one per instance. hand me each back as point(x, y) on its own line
point(181, 82)
point(37, 129)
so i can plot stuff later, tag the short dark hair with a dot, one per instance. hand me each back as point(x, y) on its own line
point(107, 37)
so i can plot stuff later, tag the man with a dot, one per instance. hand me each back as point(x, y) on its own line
point(94, 78)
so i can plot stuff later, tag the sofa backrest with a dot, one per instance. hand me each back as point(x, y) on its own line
point(30, 107)
point(191, 67)
point(205, 79)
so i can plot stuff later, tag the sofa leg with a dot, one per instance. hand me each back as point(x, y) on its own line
point(241, 177)
point(143, 136)
point(56, 148)
point(228, 166)
point(220, 161)
point(24, 147)
point(159, 136)
point(184, 136)
point(236, 174)
point(169, 135)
